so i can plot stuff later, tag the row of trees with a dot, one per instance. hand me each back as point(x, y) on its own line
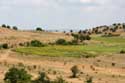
point(19, 75)
point(16, 28)
point(9, 27)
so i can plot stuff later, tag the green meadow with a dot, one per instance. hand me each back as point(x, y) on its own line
point(107, 45)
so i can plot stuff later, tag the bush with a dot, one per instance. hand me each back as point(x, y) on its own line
point(39, 29)
point(42, 78)
point(15, 75)
point(75, 71)
point(5, 46)
point(89, 80)
point(59, 80)
point(15, 28)
point(122, 52)
point(88, 37)
point(61, 42)
point(3, 25)
point(36, 43)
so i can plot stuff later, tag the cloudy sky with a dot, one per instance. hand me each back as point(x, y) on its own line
point(61, 14)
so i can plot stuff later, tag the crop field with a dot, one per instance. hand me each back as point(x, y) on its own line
point(110, 45)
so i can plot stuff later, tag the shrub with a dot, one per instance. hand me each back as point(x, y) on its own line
point(113, 64)
point(39, 29)
point(61, 42)
point(89, 80)
point(59, 80)
point(122, 52)
point(15, 75)
point(88, 37)
point(42, 78)
point(75, 71)
point(15, 28)
point(36, 43)
point(5, 46)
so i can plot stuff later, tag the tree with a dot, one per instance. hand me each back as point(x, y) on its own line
point(15, 75)
point(39, 29)
point(3, 25)
point(36, 43)
point(61, 42)
point(75, 71)
point(71, 31)
point(15, 28)
point(8, 27)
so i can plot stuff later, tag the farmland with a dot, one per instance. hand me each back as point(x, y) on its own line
point(110, 45)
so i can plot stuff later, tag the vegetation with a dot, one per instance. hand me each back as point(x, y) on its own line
point(59, 80)
point(35, 43)
point(61, 42)
point(81, 37)
point(122, 52)
point(75, 71)
point(15, 75)
point(89, 80)
point(4, 46)
point(39, 29)
point(15, 28)
point(42, 78)
point(3, 25)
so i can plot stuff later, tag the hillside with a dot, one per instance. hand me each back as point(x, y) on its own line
point(14, 37)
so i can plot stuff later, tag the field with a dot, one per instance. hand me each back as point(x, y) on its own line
point(99, 57)
point(110, 45)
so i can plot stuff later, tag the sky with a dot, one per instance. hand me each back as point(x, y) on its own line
point(61, 14)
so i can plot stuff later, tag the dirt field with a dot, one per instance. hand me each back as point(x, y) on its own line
point(100, 68)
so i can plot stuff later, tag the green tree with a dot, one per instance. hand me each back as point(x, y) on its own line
point(15, 75)
point(15, 28)
point(39, 29)
point(8, 27)
point(36, 43)
point(3, 25)
point(61, 42)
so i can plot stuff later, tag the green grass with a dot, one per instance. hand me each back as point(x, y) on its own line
point(118, 40)
point(117, 44)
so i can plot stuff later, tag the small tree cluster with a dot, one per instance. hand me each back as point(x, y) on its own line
point(16, 75)
point(64, 42)
point(35, 43)
point(81, 37)
point(9, 27)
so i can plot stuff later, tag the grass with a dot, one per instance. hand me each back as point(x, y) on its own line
point(90, 50)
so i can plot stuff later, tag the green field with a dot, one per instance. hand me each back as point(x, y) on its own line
point(110, 45)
